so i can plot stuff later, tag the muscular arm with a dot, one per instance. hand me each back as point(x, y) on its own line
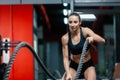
point(96, 37)
point(64, 40)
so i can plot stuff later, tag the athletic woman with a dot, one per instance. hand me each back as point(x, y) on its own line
point(74, 41)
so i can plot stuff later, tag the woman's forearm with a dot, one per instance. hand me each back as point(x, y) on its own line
point(66, 65)
point(99, 39)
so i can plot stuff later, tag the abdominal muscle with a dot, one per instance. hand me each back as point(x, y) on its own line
point(76, 58)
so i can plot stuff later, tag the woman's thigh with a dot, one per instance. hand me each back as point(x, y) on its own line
point(90, 73)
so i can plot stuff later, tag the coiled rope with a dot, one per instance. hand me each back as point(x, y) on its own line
point(17, 48)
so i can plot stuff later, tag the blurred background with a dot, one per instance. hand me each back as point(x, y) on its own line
point(42, 24)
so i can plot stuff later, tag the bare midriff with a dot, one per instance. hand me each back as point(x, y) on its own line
point(76, 58)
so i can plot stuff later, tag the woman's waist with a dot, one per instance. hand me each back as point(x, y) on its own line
point(76, 58)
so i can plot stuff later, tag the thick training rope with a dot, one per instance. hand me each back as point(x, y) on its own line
point(17, 48)
point(81, 60)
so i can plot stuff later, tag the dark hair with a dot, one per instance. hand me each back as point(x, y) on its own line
point(75, 14)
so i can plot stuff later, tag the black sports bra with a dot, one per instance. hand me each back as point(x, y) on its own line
point(77, 48)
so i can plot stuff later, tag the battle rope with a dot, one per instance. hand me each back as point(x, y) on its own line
point(17, 48)
point(81, 60)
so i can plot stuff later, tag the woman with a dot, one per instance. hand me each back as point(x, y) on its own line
point(74, 40)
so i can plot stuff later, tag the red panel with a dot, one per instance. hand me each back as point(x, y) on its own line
point(5, 23)
point(16, 22)
point(5, 26)
point(22, 31)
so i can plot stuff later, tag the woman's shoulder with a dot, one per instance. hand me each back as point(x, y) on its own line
point(85, 28)
point(65, 37)
point(85, 31)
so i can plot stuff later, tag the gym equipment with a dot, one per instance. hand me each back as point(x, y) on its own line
point(17, 48)
point(81, 60)
point(5, 46)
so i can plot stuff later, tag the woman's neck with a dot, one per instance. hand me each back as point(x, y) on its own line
point(75, 32)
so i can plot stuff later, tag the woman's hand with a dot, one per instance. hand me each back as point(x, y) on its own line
point(68, 77)
point(90, 39)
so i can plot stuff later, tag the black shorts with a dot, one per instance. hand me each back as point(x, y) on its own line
point(85, 65)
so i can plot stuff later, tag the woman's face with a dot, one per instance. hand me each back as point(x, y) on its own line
point(74, 23)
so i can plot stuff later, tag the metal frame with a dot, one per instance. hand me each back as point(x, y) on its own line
point(76, 4)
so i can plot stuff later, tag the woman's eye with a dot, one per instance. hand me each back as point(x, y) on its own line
point(75, 21)
point(70, 21)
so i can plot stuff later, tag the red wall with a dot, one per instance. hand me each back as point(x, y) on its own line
point(16, 23)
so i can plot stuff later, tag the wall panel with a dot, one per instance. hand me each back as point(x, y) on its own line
point(16, 23)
